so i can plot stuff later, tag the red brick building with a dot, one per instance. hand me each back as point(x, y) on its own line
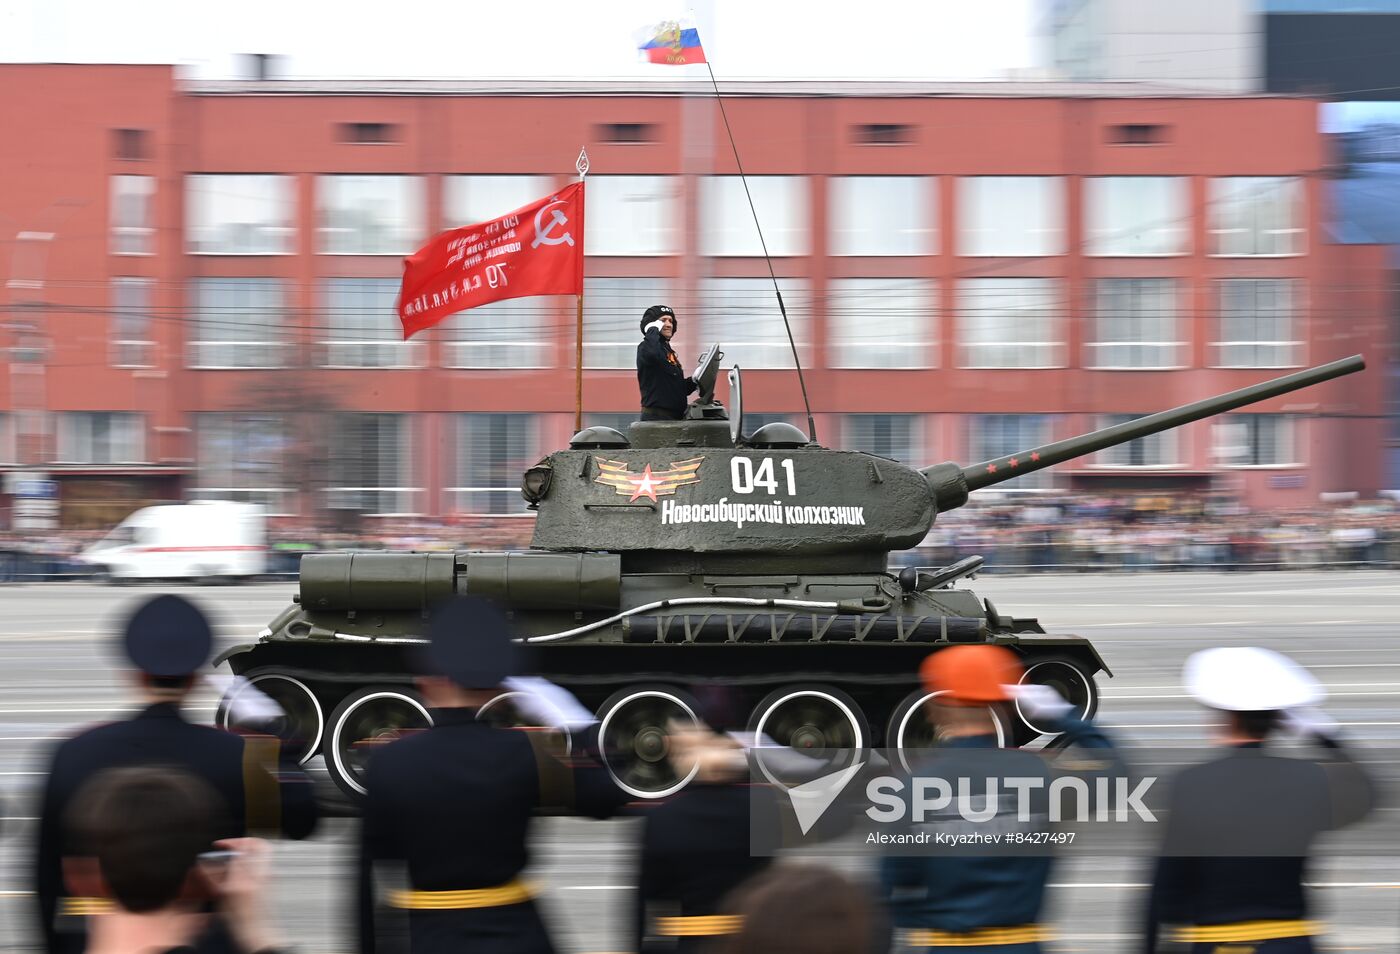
point(200, 280)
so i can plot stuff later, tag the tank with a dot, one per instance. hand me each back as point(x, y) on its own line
point(682, 555)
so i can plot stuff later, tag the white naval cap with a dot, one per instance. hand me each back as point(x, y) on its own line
point(1250, 679)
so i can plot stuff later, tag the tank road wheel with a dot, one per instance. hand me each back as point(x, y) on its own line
point(820, 722)
point(500, 712)
point(632, 737)
point(301, 723)
point(365, 720)
point(910, 729)
point(1069, 679)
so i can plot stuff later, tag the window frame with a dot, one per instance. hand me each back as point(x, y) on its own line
point(843, 196)
point(1057, 202)
point(145, 234)
point(1215, 203)
point(459, 493)
point(1297, 347)
point(1096, 237)
point(406, 354)
point(1093, 342)
point(413, 228)
point(1056, 348)
point(924, 294)
point(143, 346)
point(285, 230)
point(196, 344)
point(794, 230)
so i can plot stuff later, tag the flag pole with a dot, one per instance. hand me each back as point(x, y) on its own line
point(582, 166)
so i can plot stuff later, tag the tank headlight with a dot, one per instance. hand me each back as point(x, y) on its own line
point(535, 484)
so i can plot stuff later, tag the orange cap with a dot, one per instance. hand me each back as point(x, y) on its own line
point(971, 675)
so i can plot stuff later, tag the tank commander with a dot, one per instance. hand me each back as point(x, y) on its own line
point(660, 376)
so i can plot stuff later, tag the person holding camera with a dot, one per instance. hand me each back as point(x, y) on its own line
point(256, 788)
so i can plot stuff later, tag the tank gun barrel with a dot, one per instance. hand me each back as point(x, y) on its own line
point(951, 484)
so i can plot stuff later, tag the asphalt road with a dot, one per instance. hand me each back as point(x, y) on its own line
point(57, 672)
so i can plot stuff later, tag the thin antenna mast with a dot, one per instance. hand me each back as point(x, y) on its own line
point(811, 426)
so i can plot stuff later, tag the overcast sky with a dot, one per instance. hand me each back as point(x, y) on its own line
point(887, 39)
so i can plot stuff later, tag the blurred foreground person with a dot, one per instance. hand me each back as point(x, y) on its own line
point(1240, 827)
point(801, 909)
point(695, 846)
point(168, 640)
point(988, 902)
point(142, 838)
point(448, 809)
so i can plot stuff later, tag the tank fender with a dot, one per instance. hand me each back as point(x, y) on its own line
point(232, 651)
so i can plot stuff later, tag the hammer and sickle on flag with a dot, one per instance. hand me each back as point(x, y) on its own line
point(649, 483)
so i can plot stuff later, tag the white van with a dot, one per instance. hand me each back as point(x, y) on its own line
point(208, 539)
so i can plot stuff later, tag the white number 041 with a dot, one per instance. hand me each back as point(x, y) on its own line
point(745, 478)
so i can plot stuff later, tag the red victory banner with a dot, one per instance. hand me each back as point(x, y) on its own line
point(535, 250)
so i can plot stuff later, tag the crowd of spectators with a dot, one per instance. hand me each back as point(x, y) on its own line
point(1062, 533)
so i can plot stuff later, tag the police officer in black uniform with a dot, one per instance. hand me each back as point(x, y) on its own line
point(168, 640)
point(1240, 827)
point(448, 810)
point(660, 376)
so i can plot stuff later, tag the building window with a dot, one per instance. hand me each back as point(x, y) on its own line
point(612, 319)
point(239, 323)
point(503, 334)
point(493, 450)
point(371, 465)
point(101, 437)
point(627, 133)
point(1010, 323)
point(1258, 440)
point(240, 215)
point(1011, 216)
point(9, 453)
point(992, 436)
point(885, 435)
point(883, 215)
point(133, 222)
point(1136, 324)
point(632, 215)
point(1136, 215)
point(369, 133)
point(370, 215)
point(1137, 134)
point(1155, 450)
point(364, 326)
point(742, 315)
point(243, 457)
point(132, 346)
point(1256, 215)
point(882, 134)
point(131, 144)
point(881, 323)
point(726, 222)
point(1259, 325)
point(468, 200)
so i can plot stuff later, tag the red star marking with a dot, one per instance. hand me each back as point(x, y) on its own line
point(991, 468)
point(1014, 462)
point(645, 484)
point(1035, 455)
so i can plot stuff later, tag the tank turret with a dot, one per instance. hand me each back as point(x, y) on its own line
point(687, 553)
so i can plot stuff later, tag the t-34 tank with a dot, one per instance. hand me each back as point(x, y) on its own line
point(683, 554)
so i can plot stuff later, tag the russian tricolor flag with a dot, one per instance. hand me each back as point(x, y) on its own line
point(673, 43)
